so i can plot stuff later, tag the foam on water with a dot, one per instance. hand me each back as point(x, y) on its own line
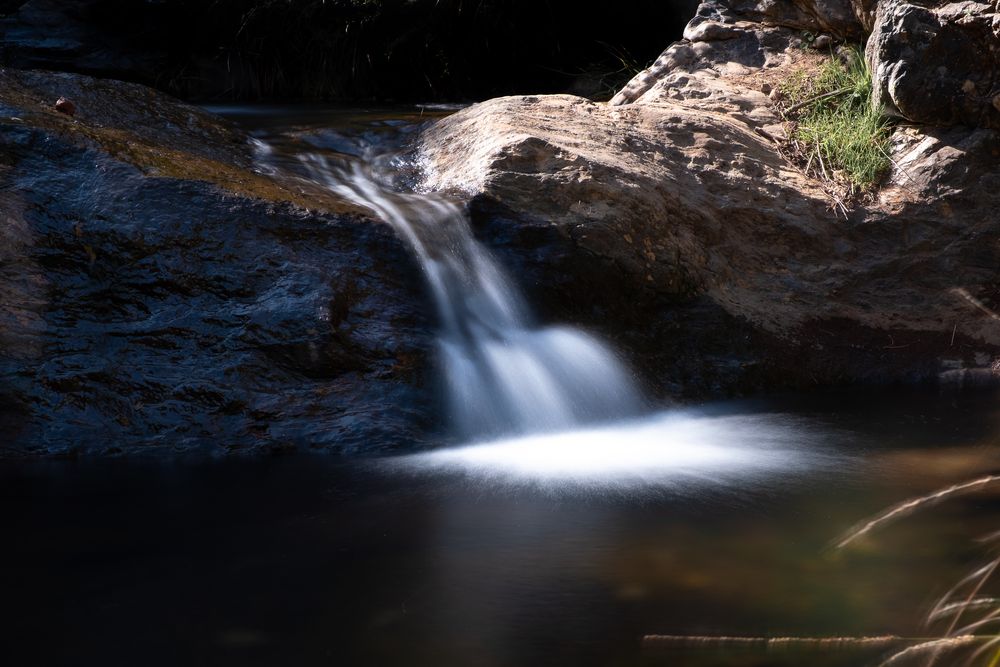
point(669, 449)
point(547, 405)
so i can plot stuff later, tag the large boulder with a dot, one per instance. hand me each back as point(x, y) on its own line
point(932, 62)
point(937, 65)
point(673, 221)
point(753, 25)
point(158, 296)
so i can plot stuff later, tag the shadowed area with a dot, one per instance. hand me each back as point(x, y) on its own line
point(312, 561)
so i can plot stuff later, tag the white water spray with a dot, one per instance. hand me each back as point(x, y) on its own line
point(503, 374)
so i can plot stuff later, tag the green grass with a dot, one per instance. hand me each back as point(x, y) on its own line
point(845, 137)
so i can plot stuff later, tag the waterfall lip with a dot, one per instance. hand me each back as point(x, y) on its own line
point(675, 449)
point(503, 373)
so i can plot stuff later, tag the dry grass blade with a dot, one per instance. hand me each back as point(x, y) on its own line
point(819, 644)
point(987, 572)
point(810, 642)
point(909, 506)
point(993, 617)
point(932, 647)
point(978, 574)
point(983, 649)
point(945, 610)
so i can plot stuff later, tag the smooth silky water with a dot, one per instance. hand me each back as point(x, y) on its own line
point(556, 536)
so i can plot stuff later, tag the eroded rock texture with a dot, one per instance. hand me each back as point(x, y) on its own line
point(937, 64)
point(673, 212)
point(157, 296)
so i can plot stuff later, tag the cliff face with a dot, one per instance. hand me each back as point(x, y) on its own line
point(675, 212)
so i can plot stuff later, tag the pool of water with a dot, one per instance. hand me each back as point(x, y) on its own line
point(711, 521)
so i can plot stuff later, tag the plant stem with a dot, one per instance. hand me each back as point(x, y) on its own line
point(832, 93)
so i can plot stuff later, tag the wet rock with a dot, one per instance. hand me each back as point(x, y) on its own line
point(158, 297)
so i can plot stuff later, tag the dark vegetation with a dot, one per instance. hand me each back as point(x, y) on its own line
point(385, 50)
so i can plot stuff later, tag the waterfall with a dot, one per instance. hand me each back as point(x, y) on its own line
point(503, 374)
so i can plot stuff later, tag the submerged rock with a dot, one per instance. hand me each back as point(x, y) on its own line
point(157, 296)
point(672, 220)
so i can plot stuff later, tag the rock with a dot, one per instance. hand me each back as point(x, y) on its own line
point(822, 42)
point(671, 221)
point(709, 31)
point(158, 295)
point(844, 19)
point(937, 65)
point(65, 106)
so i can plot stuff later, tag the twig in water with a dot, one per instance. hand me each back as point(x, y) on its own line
point(933, 647)
point(770, 642)
point(955, 607)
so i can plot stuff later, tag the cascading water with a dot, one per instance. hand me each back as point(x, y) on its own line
point(503, 373)
point(528, 395)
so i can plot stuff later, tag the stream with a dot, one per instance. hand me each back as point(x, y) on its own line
point(574, 523)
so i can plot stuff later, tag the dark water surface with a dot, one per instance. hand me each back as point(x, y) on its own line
point(323, 561)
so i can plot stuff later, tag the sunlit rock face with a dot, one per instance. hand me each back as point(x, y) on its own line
point(674, 216)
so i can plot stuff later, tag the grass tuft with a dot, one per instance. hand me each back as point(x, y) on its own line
point(840, 134)
point(964, 597)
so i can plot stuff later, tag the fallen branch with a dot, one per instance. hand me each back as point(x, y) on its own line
point(817, 98)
